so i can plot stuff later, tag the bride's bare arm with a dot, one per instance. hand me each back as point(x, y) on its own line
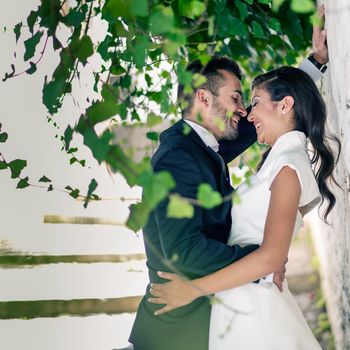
point(270, 257)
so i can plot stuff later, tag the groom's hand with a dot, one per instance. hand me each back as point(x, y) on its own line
point(319, 37)
point(279, 276)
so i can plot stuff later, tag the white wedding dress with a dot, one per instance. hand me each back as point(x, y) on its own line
point(268, 319)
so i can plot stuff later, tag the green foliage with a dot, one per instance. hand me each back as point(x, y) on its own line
point(23, 183)
point(3, 137)
point(44, 179)
point(16, 167)
point(303, 6)
point(92, 187)
point(151, 42)
point(30, 45)
point(207, 197)
point(156, 188)
point(179, 207)
point(191, 8)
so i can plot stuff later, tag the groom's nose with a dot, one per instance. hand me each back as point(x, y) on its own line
point(241, 111)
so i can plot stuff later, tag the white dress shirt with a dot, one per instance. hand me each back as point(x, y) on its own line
point(206, 136)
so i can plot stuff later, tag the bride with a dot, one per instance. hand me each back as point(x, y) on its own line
point(287, 111)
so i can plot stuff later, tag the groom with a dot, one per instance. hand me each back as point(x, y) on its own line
point(190, 151)
point(195, 151)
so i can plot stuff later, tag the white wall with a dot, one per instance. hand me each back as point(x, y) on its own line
point(333, 242)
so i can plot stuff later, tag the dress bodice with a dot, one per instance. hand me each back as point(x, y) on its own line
point(249, 215)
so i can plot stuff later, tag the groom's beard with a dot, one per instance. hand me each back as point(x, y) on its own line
point(230, 133)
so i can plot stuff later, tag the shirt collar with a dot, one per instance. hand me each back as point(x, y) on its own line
point(206, 136)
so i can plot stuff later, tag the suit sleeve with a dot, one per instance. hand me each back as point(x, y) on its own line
point(308, 67)
point(229, 150)
point(182, 240)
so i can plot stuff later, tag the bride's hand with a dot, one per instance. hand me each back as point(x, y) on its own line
point(176, 293)
point(279, 276)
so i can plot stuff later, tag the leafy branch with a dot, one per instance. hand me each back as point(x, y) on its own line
point(139, 36)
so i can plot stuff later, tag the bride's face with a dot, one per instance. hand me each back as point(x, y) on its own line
point(271, 118)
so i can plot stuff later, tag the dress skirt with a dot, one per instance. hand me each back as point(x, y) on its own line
point(259, 317)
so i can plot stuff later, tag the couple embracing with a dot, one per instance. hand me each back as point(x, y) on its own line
point(237, 252)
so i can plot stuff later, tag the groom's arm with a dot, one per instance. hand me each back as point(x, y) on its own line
point(182, 240)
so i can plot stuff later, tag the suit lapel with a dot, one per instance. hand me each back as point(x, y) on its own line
point(180, 128)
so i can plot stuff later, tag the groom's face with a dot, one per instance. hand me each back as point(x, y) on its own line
point(227, 107)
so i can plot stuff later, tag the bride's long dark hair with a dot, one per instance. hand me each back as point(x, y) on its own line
point(309, 117)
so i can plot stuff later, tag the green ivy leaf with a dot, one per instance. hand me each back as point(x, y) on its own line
point(3, 137)
point(9, 75)
point(31, 19)
point(162, 19)
point(23, 183)
point(30, 45)
point(72, 150)
point(237, 27)
point(118, 8)
point(17, 30)
point(3, 165)
point(16, 167)
point(52, 93)
point(75, 193)
point(101, 111)
point(302, 6)
point(82, 49)
point(32, 68)
point(257, 30)
point(156, 186)
point(118, 161)
point(139, 50)
point(191, 8)
point(198, 80)
point(208, 197)
point(164, 105)
point(265, 2)
point(276, 4)
point(138, 216)
point(220, 6)
point(153, 120)
point(179, 208)
point(202, 47)
point(44, 179)
point(68, 134)
point(236, 180)
point(186, 129)
point(139, 8)
point(275, 24)
point(242, 8)
point(152, 135)
point(92, 187)
point(74, 18)
point(290, 59)
point(250, 2)
point(98, 145)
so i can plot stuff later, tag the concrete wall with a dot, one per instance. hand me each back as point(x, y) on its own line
point(333, 242)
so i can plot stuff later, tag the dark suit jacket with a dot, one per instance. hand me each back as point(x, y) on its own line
point(199, 243)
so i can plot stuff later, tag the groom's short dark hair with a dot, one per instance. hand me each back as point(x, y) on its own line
point(214, 79)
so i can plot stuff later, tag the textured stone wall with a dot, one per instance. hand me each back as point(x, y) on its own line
point(333, 242)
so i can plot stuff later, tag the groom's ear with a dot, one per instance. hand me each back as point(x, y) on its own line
point(204, 97)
